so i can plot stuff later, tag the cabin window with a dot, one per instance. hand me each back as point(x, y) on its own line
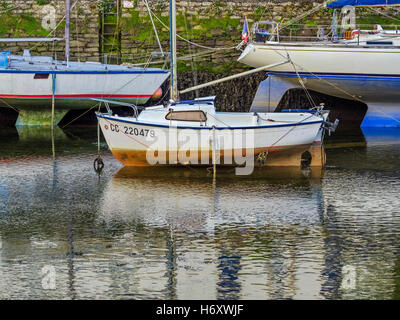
point(193, 115)
point(41, 76)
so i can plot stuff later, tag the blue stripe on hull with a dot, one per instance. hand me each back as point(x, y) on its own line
point(342, 76)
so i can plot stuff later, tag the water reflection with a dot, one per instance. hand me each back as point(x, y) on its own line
point(362, 216)
point(222, 219)
point(40, 133)
point(162, 233)
point(167, 196)
point(384, 136)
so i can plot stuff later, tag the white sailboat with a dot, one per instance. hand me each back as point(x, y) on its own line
point(363, 66)
point(193, 133)
point(29, 83)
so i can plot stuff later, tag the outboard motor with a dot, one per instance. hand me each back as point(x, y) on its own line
point(331, 126)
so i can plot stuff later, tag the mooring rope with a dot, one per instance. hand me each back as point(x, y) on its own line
point(308, 95)
point(97, 104)
point(9, 105)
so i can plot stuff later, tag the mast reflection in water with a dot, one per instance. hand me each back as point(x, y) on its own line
point(163, 233)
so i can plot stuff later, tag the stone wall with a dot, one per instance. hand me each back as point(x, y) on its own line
point(30, 18)
point(219, 23)
point(210, 24)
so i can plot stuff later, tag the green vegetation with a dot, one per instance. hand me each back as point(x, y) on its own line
point(140, 28)
point(42, 2)
point(21, 26)
point(218, 22)
point(219, 4)
point(385, 22)
point(260, 13)
point(310, 23)
point(105, 6)
point(5, 6)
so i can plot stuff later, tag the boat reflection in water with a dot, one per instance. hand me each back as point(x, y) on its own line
point(162, 196)
point(219, 234)
point(275, 234)
point(175, 233)
point(362, 218)
point(383, 136)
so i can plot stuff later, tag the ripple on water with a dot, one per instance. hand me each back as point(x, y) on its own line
point(174, 234)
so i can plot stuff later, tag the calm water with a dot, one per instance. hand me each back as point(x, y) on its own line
point(174, 234)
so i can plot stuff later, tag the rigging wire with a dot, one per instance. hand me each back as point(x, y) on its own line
point(154, 26)
point(182, 58)
point(192, 61)
point(265, 8)
point(55, 28)
point(383, 14)
point(302, 16)
point(188, 41)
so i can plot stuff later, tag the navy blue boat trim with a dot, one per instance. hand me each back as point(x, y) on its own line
point(299, 110)
point(210, 128)
point(349, 76)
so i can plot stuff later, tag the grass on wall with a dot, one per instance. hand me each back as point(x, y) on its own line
point(140, 28)
point(20, 26)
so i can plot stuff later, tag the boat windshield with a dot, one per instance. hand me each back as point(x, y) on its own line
point(191, 115)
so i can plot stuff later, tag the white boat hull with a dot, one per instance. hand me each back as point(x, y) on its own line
point(367, 74)
point(29, 83)
point(139, 144)
point(328, 59)
point(74, 90)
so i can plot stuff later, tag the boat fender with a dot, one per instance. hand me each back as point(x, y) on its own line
point(261, 158)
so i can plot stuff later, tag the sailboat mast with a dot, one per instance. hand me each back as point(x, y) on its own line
point(67, 28)
point(174, 74)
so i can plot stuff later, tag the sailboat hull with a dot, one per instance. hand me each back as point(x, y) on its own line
point(73, 90)
point(290, 156)
point(367, 74)
point(138, 144)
